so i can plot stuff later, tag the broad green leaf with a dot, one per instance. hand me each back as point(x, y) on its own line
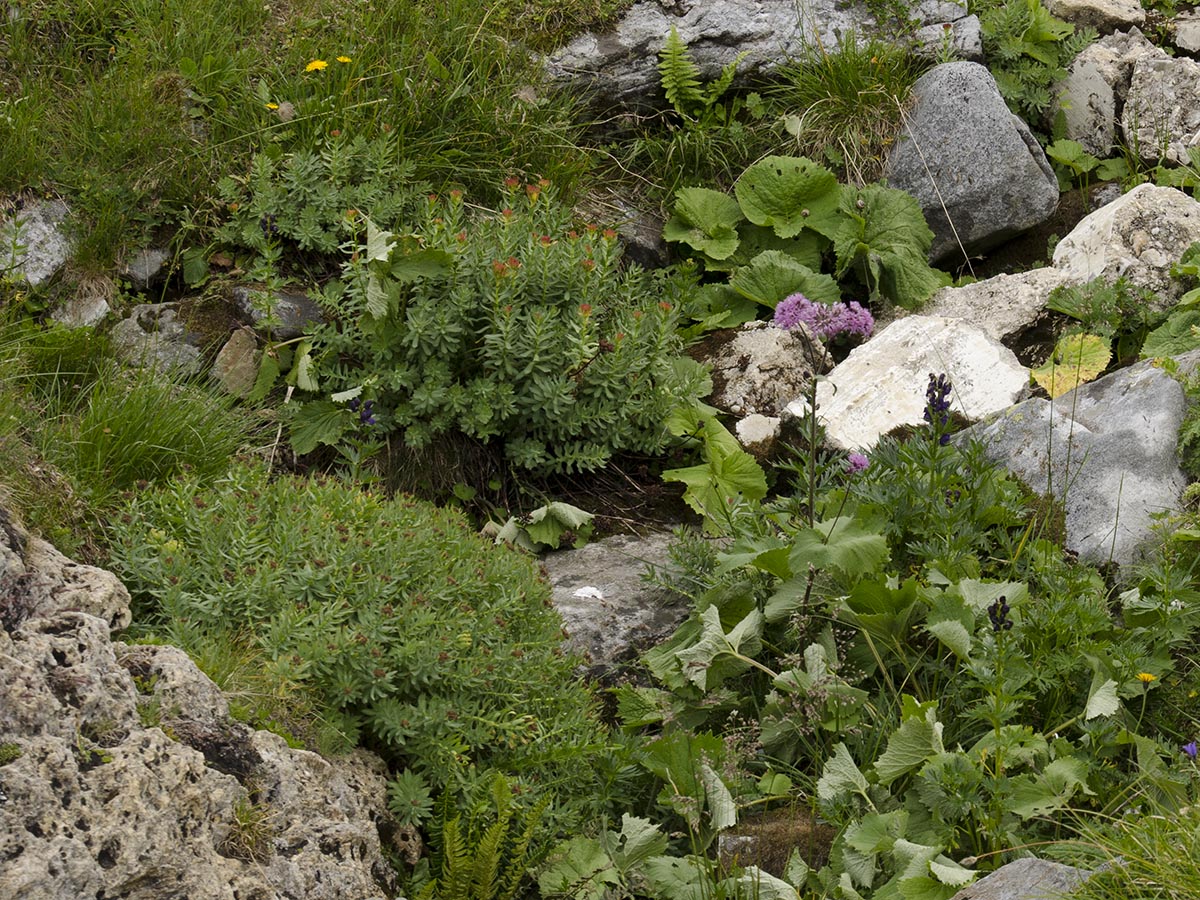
point(877, 832)
point(840, 776)
point(841, 543)
point(638, 840)
point(722, 811)
point(1072, 155)
point(788, 598)
point(796, 871)
point(424, 263)
point(1076, 360)
point(914, 743)
point(805, 248)
point(884, 238)
point(1176, 336)
point(379, 243)
point(303, 372)
point(949, 872)
point(638, 706)
point(772, 276)
point(376, 299)
point(1102, 699)
point(754, 882)
point(318, 422)
point(789, 194)
point(951, 622)
point(979, 595)
point(671, 878)
point(268, 372)
point(705, 220)
point(1049, 791)
point(547, 524)
point(578, 869)
point(675, 758)
point(743, 641)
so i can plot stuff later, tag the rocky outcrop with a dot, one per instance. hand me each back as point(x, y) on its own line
point(122, 774)
point(1026, 879)
point(977, 171)
point(1161, 116)
point(1138, 236)
point(33, 244)
point(1106, 451)
point(881, 385)
point(1105, 16)
point(609, 611)
point(619, 67)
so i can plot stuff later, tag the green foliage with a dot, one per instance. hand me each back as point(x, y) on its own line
point(1076, 359)
point(409, 798)
point(513, 327)
point(926, 663)
point(681, 83)
point(250, 835)
point(1152, 857)
point(415, 635)
point(844, 105)
point(1028, 50)
point(789, 213)
point(1072, 163)
point(308, 200)
point(487, 856)
point(10, 752)
point(131, 428)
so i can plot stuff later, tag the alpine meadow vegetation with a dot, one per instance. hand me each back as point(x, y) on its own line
point(891, 645)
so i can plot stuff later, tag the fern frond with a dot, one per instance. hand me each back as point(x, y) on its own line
point(680, 77)
point(518, 861)
point(716, 90)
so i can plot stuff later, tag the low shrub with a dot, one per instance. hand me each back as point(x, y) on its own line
point(415, 636)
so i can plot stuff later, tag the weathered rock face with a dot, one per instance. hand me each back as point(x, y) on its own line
point(619, 67)
point(154, 337)
point(42, 245)
point(284, 317)
point(1139, 236)
point(1104, 15)
point(881, 385)
point(759, 368)
point(1025, 879)
point(1004, 306)
point(608, 610)
point(125, 776)
point(1106, 450)
point(1161, 116)
point(976, 169)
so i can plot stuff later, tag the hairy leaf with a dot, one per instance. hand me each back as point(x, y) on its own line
point(772, 276)
point(790, 194)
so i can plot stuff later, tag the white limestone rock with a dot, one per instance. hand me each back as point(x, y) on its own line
point(1105, 16)
point(1161, 117)
point(1138, 236)
point(881, 385)
point(33, 244)
point(1003, 306)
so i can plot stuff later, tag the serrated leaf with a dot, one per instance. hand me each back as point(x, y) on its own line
point(951, 622)
point(913, 744)
point(790, 194)
point(1176, 336)
point(318, 422)
point(840, 776)
point(376, 297)
point(841, 543)
point(379, 243)
point(772, 276)
point(1076, 360)
point(303, 372)
point(672, 878)
point(578, 869)
point(1049, 791)
point(722, 811)
point(705, 220)
point(1102, 699)
point(547, 524)
point(877, 832)
point(268, 372)
point(754, 882)
point(949, 872)
point(744, 640)
point(638, 840)
point(886, 240)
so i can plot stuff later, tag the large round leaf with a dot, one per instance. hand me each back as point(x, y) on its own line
point(1076, 360)
point(790, 194)
point(705, 220)
point(771, 276)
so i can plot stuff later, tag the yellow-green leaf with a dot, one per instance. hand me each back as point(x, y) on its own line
point(1076, 360)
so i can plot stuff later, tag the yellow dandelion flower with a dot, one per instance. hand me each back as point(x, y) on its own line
point(272, 105)
point(316, 65)
point(1146, 677)
point(343, 59)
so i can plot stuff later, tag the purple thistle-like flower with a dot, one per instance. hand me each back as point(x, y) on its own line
point(857, 462)
point(825, 320)
point(1190, 749)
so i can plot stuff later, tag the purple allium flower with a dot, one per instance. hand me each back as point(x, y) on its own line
point(1190, 749)
point(856, 462)
point(826, 320)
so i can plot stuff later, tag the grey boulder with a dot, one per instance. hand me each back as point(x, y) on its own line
point(977, 171)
